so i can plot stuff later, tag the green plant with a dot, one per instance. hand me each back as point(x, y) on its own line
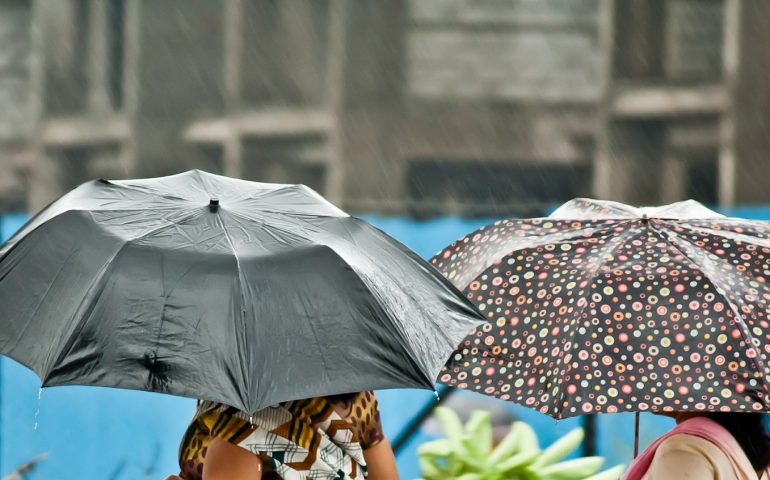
point(467, 454)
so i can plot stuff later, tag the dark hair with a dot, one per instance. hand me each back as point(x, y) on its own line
point(343, 397)
point(750, 430)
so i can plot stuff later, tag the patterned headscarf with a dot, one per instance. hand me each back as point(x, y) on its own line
point(295, 440)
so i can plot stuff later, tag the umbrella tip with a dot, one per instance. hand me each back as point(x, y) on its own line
point(214, 205)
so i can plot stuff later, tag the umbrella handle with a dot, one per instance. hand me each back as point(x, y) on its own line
point(636, 434)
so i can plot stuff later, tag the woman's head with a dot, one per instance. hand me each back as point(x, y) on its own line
point(750, 430)
point(342, 398)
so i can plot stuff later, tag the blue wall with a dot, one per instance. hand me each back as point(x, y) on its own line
point(97, 433)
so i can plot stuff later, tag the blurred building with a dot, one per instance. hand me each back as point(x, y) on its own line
point(16, 151)
point(420, 107)
point(686, 107)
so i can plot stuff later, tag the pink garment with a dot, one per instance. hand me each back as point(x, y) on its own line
point(702, 427)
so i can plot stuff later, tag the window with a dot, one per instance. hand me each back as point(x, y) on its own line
point(703, 180)
point(115, 57)
point(472, 188)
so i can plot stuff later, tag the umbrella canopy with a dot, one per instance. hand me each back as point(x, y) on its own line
point(603, 307)
point(209, 287)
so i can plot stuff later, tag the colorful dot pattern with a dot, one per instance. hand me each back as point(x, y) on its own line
point(616, 314)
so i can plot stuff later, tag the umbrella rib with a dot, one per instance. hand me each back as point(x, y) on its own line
point(730, 234)
point(366, 284)
point(40, 304)
point(396, 281)
point(393, 318)
point(147, 192)
point(66, 211)
point(593, 274)
point(745, 239)
point(747, 338)
point(245, 377)
point(307, 190)
point(81, 323)
point(351, 241)
point(520, 243)
point(318, 344)
point(402, 338)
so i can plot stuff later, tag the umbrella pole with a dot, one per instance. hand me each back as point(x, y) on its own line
point(636, 434)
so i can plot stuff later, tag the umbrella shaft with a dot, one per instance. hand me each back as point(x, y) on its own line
point(636, 434)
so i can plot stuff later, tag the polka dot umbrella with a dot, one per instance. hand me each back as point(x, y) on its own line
point(602, 307)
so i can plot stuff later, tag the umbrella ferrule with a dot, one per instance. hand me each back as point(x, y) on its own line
point(214, 205)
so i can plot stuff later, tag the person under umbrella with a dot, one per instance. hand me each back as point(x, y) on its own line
point(319, 438)
point(602, 307)
point(708, 445)
point(246, 294)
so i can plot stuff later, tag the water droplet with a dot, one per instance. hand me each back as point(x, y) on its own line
point(37, 411)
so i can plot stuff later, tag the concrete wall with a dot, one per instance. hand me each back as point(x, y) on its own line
point(15, 56)
point(693, 31)
point(492, 82)
point(750, 110)
point(15, 119)
point(523, 50)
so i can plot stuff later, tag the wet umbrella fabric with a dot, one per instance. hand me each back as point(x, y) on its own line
point(607, 308)
point(220, 289)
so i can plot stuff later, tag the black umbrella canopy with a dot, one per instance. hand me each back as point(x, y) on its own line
point(209, 287)
point(602, 307)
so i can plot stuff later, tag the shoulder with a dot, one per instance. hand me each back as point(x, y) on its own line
point(365, 413)
point(690, 444)
point(690, 456)
point(365, 400)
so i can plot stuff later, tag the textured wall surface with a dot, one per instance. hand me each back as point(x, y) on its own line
point(513, 49)
point(694, 39)
point(14, 69)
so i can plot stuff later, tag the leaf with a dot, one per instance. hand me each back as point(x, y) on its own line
point(450, 422)
point(431, 471)
point(436, 448)
point(465, 454)
point(613, 473)
point(479, 429)
point(508, 445)
point(520, 460)
point(469, 476)
point(474, 451)
point(528, 440)
point(561, 448)
point(571, 469)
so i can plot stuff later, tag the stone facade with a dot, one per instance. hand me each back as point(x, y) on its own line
point(422, 107)
point(15, 118)
point(521, 50)
point(15, 57)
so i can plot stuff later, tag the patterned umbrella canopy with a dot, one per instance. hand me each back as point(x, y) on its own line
point(603, 307)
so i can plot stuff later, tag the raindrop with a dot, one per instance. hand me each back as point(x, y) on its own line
point(37, 411)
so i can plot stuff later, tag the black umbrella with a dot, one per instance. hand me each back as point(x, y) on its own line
point(203, 286)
